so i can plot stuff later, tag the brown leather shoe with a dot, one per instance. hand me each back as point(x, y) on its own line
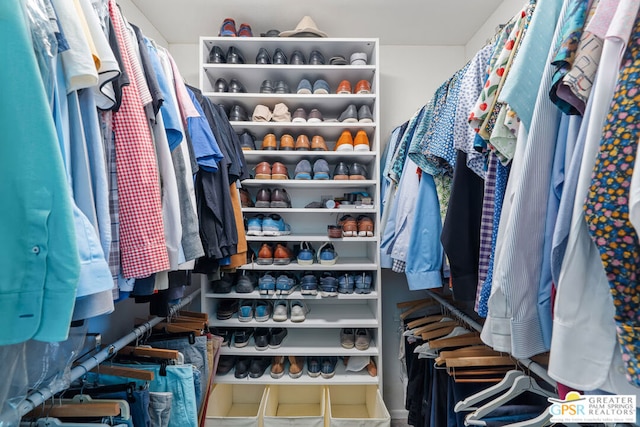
point(286, 142)
point(344, 87)
point(280, 198)
point(282, 255)
point(263, 198)
point(263, 170)
point(361, 141)
point(245, 198)
point(365, 226)
point(318, 143)
point(372, 369)
point(277, 367)
point(302, 143)
point(363, 87)
point(296, 365)
point(349, 226)
point(268, 142)
point(265, 255)
point(278, 171)
point(345, 142)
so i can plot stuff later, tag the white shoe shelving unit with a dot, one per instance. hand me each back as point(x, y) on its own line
point(319, 334)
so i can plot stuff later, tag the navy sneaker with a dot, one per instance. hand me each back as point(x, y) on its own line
point(327, 254)
point(307, 254)
point(328, 366)
point(313, 366)
point(346, 283)
point(267, 284)
point(363, 283)
point(285, 284)
point(309, 284)
point(328, 285)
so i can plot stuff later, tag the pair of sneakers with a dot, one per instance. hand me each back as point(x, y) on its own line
point(319, 171)
point(295, 310)
point(269, 225)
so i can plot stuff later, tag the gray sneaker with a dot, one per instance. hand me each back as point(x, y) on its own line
point(365, 115)
point(303, 170)
point(321, 169)
point(246, 282)
point(349, 115)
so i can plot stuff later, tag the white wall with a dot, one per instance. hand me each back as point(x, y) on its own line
point(135, 16)
point(500, 16)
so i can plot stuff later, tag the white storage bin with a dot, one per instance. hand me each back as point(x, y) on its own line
point(236, 405)
point(356, 406)
point(295, 405)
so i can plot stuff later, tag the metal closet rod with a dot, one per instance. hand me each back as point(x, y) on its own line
point(534, 367)
point(39, 396)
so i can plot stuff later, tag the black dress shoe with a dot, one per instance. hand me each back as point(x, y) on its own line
point(277, 336)
point(241, 337)
point(357, 171)
point(247, 140)
point(236, 87)
point(282, 87)
point(266, 87)
point(279, 57)
point(216, 56)
point(297, 58)
point(225, 364)
point(258, 366)
point(263, 56)
point(221, 86)
point(341, 171)
point(234, 56)
point(263, 198)
point(261, 338)
point(238, 114)
point(242, 367)
point(316, 58)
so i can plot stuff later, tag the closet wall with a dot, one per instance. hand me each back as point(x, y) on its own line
point(409, 75)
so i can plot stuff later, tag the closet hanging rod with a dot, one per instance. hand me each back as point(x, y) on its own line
point(39, 396)
point(534, 367)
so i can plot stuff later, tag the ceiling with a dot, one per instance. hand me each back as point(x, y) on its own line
point(399, 22)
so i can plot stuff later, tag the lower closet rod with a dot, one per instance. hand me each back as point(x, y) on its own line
point(528, 363)
point(39, 396)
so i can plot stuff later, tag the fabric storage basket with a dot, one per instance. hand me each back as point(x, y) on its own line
point(236, 405)
point(295, 405)
point(356, 406)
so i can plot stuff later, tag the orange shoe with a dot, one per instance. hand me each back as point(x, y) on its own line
point(268, 142)
point(263, 170)
point(286, 142)
point(345, 142)
point(361, 142)
point(363, 87)
point(318, 143)
point(344, 87)
point(302, 143)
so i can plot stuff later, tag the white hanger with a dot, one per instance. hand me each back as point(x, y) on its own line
point(520, 385)
point(468, 403)
point(541, 420)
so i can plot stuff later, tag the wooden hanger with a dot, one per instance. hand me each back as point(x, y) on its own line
point(425, 320)
point(76, 410)
point(121, 371)
point(158, 353)
point(409, 304)
point(417, 307)
point(477, 350)
point(440, 332)
point(179, 327)
point(433, 326)
point(469, 361)
point(471, 338)
point(194, 314)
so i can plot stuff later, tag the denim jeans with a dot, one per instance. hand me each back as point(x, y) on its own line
point(160, 408)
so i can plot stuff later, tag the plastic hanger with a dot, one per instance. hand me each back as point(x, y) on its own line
point(541, 420)
point(520, 385)
point(469, 403)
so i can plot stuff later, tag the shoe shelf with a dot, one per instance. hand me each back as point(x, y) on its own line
point(319, 333)
point(300, 342)
point(310, 183)
point(336, 315)
point(343, 263)
point(309, 238)
point(339, 211)
point(294, 295)
point(342, 376)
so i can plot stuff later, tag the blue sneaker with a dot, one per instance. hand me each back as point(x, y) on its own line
point(303, 170)
point(309, 284)
point(307, 254)
point(321, 169)
point(328, 366)
point(267, 284)
point(254, 226)
point(313, 366)
point(274, 225)
point(285, 284)
point(304, 87)
point(363, 283)
point(320, 87)
point(327, 254)
point(328, 285)
point(346, 283)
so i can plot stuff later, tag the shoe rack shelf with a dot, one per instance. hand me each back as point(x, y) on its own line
point(319, 333)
